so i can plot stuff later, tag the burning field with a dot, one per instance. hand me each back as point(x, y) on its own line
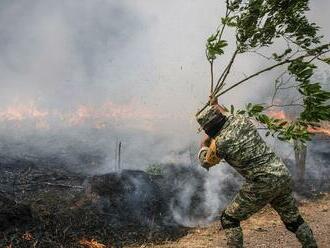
point(47, 207)
point(59, 188)
point(46, 203)
point(98, 142)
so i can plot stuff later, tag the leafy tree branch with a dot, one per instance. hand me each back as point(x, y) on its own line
point(263, 24)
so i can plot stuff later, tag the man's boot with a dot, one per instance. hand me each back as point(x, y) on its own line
point(305, 236)
point(234, 237)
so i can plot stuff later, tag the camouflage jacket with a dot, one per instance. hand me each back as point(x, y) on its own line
point(240, 144)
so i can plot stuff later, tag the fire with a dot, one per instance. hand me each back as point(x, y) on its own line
point(136, 115)
point(91, 244)
point(279, 114)
point(20, 112)
point(27, 236)
point(23, 111)
point(82, 114)
point(323, 129)
point(109, 111)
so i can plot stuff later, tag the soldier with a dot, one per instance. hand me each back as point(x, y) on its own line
point(235, 139)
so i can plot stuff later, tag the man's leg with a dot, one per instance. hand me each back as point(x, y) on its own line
point(247, 202)
point(285, 205)
point(233, 230)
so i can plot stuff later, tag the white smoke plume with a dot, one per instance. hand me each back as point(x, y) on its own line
point(148, 54)
point(71, 61)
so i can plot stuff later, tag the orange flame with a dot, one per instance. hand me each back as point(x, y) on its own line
point(91, 244)
point(323, 129)
point(320, 130)
point(136, 115)
point(278, 114)
point(21, 112)
point(27, 236)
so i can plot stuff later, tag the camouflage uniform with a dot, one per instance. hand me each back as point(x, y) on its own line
point(267, 181)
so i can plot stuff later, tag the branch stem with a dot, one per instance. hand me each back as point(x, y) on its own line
point(221, 80)
point(268, 69)
point(212, 77)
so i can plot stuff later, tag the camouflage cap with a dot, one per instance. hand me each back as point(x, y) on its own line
point(209, 114)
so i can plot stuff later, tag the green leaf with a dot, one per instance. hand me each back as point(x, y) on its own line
point(257, 108)
point(212, 38)
point(232, 109)
point(222, 43)
point(258, 24)
point(326, 60)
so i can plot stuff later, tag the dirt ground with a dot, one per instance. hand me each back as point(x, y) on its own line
point(264, 229)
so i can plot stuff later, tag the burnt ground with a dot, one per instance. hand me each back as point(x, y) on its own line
point(264, 229)
point(53, 207)
point(43, 204)
point(50, 207)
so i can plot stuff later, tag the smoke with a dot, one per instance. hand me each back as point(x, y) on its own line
point(60, 55)
point(317, 162)
point(58, 51)
point(198, 197)
point(180, 195)
point(63, 63)
point(56, 56)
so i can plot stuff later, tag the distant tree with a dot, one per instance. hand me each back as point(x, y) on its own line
point(259, 26)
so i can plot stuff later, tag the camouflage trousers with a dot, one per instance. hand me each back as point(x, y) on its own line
point(255, 195)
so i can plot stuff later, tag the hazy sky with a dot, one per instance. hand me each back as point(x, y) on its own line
point(143, 52)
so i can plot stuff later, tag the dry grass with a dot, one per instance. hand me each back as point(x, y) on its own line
point(91, 244)
point(264, 229)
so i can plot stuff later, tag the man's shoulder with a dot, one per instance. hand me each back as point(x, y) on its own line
point(237, 129)
point(237, 121)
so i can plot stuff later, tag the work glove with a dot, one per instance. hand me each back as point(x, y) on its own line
point(207, 156)
point(202, 157)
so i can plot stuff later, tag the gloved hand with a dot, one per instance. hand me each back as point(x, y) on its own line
point(202, 157)
point(208, 155)
point(206, 141)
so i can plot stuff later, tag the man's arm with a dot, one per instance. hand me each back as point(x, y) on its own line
point(206, 141)
point(208, 154)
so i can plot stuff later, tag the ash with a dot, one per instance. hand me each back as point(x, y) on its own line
point(58, 206)
point(61, 207)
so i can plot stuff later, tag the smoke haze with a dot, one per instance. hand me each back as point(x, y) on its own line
point(145, 58)
point(77, 77)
